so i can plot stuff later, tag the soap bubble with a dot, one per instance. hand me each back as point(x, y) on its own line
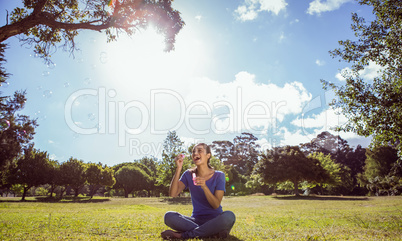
point(227, 179)
point(4, 124)
point(93, 66)
point(232, 187)
point(22, 133)
point(39, 87)
point(87, 81)
point(45, 73)
point(99, 127)
point(91, 117)
point(51, 65)
point(103, 57)
point(66, 85)
point(5, 84)
point(47, 93)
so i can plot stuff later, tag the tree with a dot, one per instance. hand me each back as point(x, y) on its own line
point(288, 163)
point(97, 176)
point(46, 23)
point(30, 169)
point(72, 173)
point(132, 178)
point(333, 169)
point(172, 146)
point(246, 152)
point(150, 166)
point(379, 171)
point(53, 175)
point(373, 107)
point(224, 150)
point(242, 153)
point(16, 130)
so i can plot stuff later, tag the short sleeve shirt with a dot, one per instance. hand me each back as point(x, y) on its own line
point(201, 206)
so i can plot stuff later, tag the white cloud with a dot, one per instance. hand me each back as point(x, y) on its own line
point(370, 72)
point(319, 62)
point(251, 8)
point(317, 6)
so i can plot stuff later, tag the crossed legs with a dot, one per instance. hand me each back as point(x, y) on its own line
point(190, 227)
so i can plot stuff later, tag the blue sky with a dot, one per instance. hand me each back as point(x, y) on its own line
point(238, 66)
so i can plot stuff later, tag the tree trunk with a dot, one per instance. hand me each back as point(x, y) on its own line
point(295, 183)
point(24, 193)
point(125, 193)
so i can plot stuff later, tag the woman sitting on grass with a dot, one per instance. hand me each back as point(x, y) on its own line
point(207, 187)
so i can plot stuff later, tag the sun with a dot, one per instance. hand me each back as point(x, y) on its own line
point(142, 59)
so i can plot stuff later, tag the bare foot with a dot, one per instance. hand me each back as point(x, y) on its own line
point(169, 234)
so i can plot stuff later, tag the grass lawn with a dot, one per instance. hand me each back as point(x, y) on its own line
point(258, 218)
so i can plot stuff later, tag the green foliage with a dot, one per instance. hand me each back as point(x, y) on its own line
point(172, 146)
point(382, 173)
point(333, 169)
point(373, 107)
point(29, 169)
point(72, 173)
point(289, 164)
point(97, 176)
point(19, 133)
point(45, 24)
point(242, 153)
point(131, 178)
point(41, 191)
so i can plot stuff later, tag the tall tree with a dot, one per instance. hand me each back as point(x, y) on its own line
point(16, 130)
point(379, 174)
point(172, 146)
point(30, 169)
point(97, 176)
point(132, 178)
point(224, 150)
point(47, 23)
point(246, 152)
point(73, 174)
point(373, 107)
point(288, 163)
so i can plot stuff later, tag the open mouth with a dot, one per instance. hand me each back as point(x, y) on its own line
point(196, 159)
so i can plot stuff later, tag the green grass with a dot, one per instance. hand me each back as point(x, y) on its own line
point(258, 218)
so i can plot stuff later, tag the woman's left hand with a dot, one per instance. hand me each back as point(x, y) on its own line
point(200, 182)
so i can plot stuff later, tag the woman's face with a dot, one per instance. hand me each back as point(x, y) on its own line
point(200, 155)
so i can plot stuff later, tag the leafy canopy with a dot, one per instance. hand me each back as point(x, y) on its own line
point(373, 107)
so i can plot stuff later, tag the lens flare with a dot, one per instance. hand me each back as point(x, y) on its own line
point(232, 187)
point(227, 179)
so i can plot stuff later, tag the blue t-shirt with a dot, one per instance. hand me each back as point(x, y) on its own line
point(201, 206)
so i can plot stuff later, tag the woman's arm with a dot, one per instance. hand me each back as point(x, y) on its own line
point(213, 199)
point(176, 186)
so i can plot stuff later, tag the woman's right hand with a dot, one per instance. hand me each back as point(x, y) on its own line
point(179, 160)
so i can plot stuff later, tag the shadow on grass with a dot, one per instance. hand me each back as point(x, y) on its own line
point(58, 200)
point(177, 200)
point(322, 198)
point(230, 237)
